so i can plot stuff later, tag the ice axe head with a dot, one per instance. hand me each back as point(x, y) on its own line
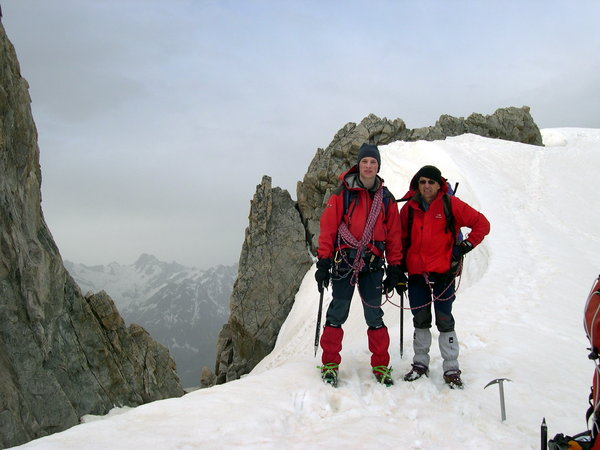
point(497, 381)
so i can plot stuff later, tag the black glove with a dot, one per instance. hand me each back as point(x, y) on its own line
point(402, 284)
point(322, 274)
point(394, 275)
point(461, 249)
point(458, 252)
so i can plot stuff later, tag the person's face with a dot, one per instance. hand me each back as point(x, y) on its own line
point(428, 188)
point(367, 168)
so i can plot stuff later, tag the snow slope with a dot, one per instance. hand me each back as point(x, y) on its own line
point(518, 313)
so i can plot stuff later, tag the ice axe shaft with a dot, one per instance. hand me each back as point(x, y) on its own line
point(318, 330)
point(500, 382)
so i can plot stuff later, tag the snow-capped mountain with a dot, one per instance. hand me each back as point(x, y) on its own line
point(181, 307)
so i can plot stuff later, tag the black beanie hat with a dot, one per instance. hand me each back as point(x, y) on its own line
point(369, 150)
point(430, 172)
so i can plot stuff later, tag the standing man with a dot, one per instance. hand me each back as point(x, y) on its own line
point(430, 221)
point(359, 230)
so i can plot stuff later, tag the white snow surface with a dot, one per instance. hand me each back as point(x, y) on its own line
point(519, 314)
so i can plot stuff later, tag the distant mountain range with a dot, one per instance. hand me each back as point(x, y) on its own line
point(183, 308)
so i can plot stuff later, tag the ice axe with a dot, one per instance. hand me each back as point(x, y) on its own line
point(500, 382)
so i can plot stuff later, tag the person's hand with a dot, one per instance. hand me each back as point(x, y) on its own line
point(322, 274)
point(458, 252)
point(402, 284)
point(461, 249)
point(394, 275)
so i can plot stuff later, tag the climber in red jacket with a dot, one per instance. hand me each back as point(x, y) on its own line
point(431, 221)
point(359, 231)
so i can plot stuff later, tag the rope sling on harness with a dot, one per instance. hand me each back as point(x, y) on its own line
point(345, 236)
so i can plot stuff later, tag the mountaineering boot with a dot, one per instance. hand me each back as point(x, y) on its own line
point(416, 372)
point(383, 375)
point(421, 345)
point(449, 350)
point(329, 373)
point(452, 379)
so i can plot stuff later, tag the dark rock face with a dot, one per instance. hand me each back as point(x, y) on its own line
point(62, 355)
point(272, 264)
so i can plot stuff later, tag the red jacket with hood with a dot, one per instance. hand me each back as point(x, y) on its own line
point(430, 246)
point(387, 225)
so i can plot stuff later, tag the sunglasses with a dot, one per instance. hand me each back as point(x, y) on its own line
point(427, 181)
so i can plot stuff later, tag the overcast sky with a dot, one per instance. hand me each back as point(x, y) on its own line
point(157, 119)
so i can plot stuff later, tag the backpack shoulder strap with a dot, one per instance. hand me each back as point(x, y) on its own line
point(388, 198)
point(450, 223)
point(350, 197)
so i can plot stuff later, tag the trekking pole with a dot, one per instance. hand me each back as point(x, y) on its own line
point(401, 324)
point(318, 330)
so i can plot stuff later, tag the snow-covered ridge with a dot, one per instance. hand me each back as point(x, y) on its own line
point(519, 316)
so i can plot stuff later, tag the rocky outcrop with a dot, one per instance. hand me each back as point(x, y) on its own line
point(513, 124)
point(62, 355)
point(272, 264)
point(510, 124)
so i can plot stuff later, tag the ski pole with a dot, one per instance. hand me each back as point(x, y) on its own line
point(401, 324)
point(318, 330)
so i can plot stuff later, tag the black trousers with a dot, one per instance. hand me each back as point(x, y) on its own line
point(370, 288)
point(419, 294)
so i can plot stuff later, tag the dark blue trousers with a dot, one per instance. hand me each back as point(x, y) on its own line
point(419, 294)
point(369, 286)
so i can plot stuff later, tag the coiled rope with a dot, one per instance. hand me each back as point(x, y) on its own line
point(347, 238)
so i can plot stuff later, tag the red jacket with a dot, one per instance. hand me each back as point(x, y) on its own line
point(430, 247)
point(387, 226)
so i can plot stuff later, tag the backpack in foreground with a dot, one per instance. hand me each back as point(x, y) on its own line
point(588, 440)
point(591, 324)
